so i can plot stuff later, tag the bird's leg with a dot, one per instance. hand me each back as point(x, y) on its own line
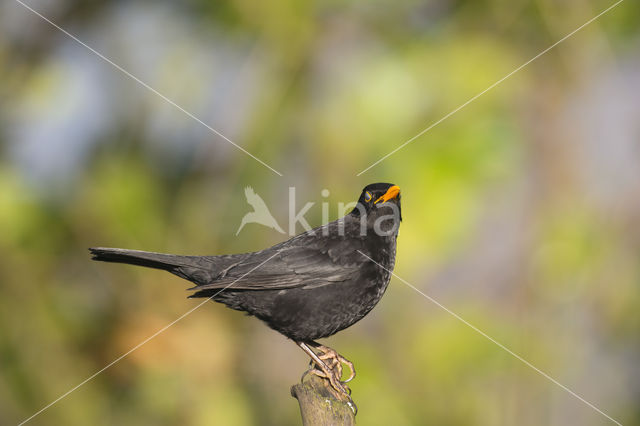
point(341, 390)
point(334, 367)
point(336, 359)
point(331, 362)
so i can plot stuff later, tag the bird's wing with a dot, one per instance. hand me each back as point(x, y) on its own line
point(304, 261)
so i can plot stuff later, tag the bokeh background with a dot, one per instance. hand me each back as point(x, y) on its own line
point(521, 212)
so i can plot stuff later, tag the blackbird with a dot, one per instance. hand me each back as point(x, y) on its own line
point(309, 287)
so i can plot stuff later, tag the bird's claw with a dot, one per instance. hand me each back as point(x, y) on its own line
point(336, 385)
point(336, 362)
point(327, 364)
point(331, 375)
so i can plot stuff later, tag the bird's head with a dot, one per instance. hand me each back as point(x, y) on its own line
point(379, 200)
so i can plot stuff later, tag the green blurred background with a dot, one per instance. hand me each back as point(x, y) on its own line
point(521, 212)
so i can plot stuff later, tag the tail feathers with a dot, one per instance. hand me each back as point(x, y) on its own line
point(193, 268)
point(135, 257)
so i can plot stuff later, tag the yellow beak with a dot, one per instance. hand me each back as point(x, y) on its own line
point(390, 194)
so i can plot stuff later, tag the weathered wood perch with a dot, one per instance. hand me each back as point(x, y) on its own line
point(319, 407)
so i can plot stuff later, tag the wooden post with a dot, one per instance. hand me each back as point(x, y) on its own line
point(319, 407)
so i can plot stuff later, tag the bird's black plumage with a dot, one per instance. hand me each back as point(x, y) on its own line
point(309, 287)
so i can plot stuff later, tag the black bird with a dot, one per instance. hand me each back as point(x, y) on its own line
point(309, 287)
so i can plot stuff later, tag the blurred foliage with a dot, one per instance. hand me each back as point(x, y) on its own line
point(520, 211)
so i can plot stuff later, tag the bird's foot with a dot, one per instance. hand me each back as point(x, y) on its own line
point(340, 390)
point(335, 362)
point(327, 364)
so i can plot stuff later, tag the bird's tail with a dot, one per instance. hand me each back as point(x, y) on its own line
point(135, 257)
point(192, 268)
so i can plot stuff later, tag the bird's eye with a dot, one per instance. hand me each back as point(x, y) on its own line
point(367, 196)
